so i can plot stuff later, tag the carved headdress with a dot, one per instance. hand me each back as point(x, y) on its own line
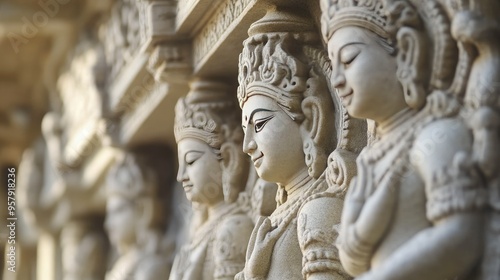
point(273, 61)
point(207, 114)
point(129, 180)
point(362, 13)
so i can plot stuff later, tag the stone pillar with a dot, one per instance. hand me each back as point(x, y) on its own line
point(48, 257)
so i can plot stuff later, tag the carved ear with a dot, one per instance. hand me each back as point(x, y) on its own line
point(314, 129)
point(411, 61)
point(234, 167)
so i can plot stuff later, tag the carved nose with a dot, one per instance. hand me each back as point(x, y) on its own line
point(249, 145)
point(181, 174)
point(338, 79)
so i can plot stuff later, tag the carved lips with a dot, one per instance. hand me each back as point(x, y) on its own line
point(257, 161)
point(346, 97)
point(187, 187)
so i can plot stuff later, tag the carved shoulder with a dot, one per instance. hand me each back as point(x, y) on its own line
point(238, 222)
point(442, 155)
point(321, 213)
point(317, 226)
point(230, 245)
point(438, 144)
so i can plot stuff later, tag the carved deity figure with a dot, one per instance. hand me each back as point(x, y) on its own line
point(213, 171)
point(84, 250)
point(291, 126)
point(416, 208)
point(136, 214)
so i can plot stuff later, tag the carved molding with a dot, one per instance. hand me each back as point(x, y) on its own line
point(171, 62)
point(219, 24)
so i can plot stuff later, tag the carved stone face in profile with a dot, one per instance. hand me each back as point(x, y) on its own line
point(364, 73)
point(272, 140)
point(212, 167)
point(199, 172)
point(121, 218)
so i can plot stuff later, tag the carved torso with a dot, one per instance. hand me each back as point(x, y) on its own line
point(215, 252)
point(434, 184)
point(306, 237)
point(390, 156)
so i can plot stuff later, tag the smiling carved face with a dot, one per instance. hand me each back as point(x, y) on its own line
point(200, 172)
point(272, 140)
point(364, 74)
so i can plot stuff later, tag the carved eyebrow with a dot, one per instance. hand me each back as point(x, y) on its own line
point(192, 152)
point(256, 111)
point(350, 44)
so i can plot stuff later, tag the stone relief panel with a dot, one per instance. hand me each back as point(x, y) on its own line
point(125, 33)
point(213, 171)
point(420, 199)
point(138, 199)
point(292, 127)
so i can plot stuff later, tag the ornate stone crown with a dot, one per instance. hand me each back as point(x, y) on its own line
point(205, 113)
point(271, 63)
point(367, 14)
point(127, 179)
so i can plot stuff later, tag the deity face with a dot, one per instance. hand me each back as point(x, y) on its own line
point(121, 220)
point(364, 74)
point(272, 140)
point(200, 172)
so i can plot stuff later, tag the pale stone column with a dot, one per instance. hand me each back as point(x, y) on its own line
point(48, 257)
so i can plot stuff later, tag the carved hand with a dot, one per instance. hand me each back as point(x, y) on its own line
point(365, 220)
point(376, 215)
point(259, 262)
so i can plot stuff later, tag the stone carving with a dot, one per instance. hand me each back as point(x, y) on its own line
point(419, 200)
point(291, 127)
point(46, 180)
point(209, 36)
point(171, 62)
point(213, 172)
point(126, 31)
point(84, 250)
point(80, 90)
point(136, 214)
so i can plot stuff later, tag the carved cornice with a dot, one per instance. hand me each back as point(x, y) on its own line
point(171, 62)
point(212, 33)
point(161, 23)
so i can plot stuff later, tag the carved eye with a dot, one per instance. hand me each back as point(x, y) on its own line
point(192, 157)
point(348, 54)
point(260, 123)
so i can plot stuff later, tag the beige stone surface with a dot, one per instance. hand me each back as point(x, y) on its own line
point(84, 82)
